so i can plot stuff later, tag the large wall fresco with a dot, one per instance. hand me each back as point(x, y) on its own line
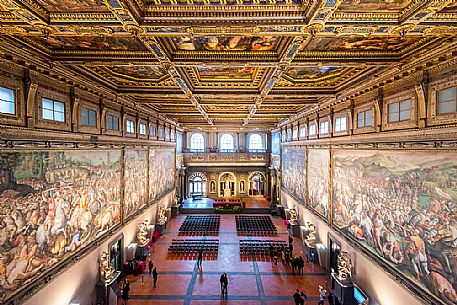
point(162, 172)
point(52, 204)
point(135, 176)
point(402, 207)
point(294, 172)
point(318, 180)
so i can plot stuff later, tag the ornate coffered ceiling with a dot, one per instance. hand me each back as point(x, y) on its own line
point(229, 63)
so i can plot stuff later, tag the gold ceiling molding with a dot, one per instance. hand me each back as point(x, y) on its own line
point(444, 30)
point(356, 30)
point(222, 29)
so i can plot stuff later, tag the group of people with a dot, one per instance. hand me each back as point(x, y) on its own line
point(126, 284)
point(300, 297)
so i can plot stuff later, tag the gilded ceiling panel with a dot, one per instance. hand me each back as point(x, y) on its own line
point(360, 43)
point(450, 8)
point(60, 6)
point(225, 43)
point(226, 73)
point(151, 73)
point(373, 5)
point(95, 43)
point(313, 73)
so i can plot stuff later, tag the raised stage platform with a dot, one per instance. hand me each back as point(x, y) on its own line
point(251, 205)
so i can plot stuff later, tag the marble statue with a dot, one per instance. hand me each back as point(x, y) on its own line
point(311, 238)
point(106, 271)
point(143, 234)
point(344, 266)
point(162, 215)
point(293, 217)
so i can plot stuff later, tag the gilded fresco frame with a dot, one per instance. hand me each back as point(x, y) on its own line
point(20, 295)
point(395, 274)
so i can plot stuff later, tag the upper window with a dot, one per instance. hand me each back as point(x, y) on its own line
point(152, 131)
point(289, 134)
point(302, 131)
point(142, 129)
point(255, 141)
point(227, 142)
point(400, 111)
point(341, 124)
point(7, 101)
point(295, 132)
point(365, 118)
point(53, 110)
point(88, 117)
point(112, 122)
point(130, 126)
point(323, 128)
point(197, 142)
point(446, 101)
point(312, 129)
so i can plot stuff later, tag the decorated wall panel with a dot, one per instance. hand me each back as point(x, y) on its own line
point(294, 172)
point(161, 173)
point(53, 204)
point(135, 175)
point(318, 181)
point(400, 206)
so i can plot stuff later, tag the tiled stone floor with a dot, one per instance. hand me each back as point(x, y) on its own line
point(251, 282)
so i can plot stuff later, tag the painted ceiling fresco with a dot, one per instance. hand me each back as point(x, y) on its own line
point(373, 5)
point(359, 43)
point(93, 43)
point(225, 43)
point(313, 73)
point(226, 73)
point(139, 72)
point(74, 5)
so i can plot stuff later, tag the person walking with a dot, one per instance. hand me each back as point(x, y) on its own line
point(330, 298)
point(224, 284)
point(321, 295)
point(154, 276)
point(150, 266)
point(200, 258)
point(301, 265)
point(297, 298)
point(125, 291)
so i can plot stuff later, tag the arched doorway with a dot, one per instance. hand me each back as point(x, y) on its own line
point(197, 185)
point(256, 184)
point(227, 183)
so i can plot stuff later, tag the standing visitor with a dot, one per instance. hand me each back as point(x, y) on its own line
point(321, 295)
point(298, 298)
point(125, 291)
point(151, 266)
point(224, 284)
point(301, 265)
point(330, 299)
point(200, 258)
point(154, 276)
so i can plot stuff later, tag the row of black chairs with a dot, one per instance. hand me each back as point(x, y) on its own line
point(189, 248)
point(262, 247)
point(200, 225)
point(255, 225)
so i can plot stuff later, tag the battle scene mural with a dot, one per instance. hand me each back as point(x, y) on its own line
point(318, 180)
point(52, 205)
point(402, 207)
point(225, 43)
point(135, 177)
point(294, 172)
point(161, 172)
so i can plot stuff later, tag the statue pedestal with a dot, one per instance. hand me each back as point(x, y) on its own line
point(311, 252)
point(343, 290)
point(161, 227)
point(294, 229)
